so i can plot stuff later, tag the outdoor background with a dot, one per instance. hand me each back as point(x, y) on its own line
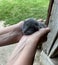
point(14, 11)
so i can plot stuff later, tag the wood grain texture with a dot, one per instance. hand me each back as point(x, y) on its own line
point(53, 24)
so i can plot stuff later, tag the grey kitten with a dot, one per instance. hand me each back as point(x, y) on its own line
point(31, 25)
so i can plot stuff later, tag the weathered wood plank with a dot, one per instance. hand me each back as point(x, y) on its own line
point(56, 1)
point(45, 60)
point(49, 11)
point(50, 47)
point(54, 51)
point(53, 24)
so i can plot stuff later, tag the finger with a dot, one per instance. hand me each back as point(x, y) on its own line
point(37, 34)
point(43, 31)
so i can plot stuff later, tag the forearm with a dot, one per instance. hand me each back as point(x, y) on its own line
point(10, 38)
point(28, 53)
point(10, 34)
point(24, 52)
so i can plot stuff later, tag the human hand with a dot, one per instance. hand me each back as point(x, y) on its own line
point(44, 37)
point(28, 47)
point(39, 36)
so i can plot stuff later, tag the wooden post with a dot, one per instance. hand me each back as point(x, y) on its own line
point(49, 11)
point(49, 54)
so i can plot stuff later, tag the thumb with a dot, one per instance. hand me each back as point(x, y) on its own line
point(40, 33)
point(43, 31)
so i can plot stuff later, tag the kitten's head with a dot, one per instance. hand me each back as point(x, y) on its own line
point(30, 26)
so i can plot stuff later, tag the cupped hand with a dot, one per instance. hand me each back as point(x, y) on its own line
point(38, 36)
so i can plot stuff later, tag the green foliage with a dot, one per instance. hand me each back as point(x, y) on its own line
point(13, 11)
